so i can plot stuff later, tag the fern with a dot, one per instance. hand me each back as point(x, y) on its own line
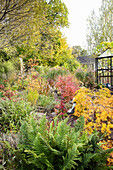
point(62, 132)
point(70, 158)
point(87, 157)
point(42, 128)
point(37, 160)
point(80, 124)
point(42, 145)
point(58, 146)
point(24, 137)
point(32, 130)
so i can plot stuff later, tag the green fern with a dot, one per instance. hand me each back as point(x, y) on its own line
point(80, 124)
point(58, 146)
point(71, 157)
point(62, 133)
point(24, 137)
point(42, 128)
point(37, 160)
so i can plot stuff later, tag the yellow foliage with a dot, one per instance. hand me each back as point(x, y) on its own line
point(97, 108)
point(35, 86)
point(32, 96)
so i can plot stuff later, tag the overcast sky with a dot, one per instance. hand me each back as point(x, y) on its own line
point(79, 10)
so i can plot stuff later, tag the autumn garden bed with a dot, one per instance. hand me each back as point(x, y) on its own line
point(33, 95)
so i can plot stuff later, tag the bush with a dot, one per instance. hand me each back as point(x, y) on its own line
point(80, 74)
point(12, 112)
point(32, 96)
point(71, 64)
point(51, 72)
point(89, 80)
point(57, 146)
point(67, 87)
point(54, 72)
point(37, 84)
point(47, 102)
point(97, 108)
point(6, 69)
point(42, 70)
point(87, 77)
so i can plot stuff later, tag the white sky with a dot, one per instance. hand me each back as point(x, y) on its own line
point(79, 10)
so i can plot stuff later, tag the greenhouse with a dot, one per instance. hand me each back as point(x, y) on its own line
point(104, 68)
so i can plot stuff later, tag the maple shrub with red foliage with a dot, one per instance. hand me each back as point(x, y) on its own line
point(66, 87)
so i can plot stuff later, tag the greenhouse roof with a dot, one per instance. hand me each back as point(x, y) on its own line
point(108, 52)
point(86, 59)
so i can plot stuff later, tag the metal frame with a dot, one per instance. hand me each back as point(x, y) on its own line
point(104, 70)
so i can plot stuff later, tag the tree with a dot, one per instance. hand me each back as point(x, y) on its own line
point(100, 28)
point(51, 50)
point(9, 6)
point(102, 47)
point(13, 14)
point(23, 20)
point(78, 51)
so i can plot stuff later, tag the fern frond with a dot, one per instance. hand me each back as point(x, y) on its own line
point(75, 137)
point(87, 158)
point(79, 125)
point(71, 158)
point(51, 140)
point(61, 131)
point(84, 138)
point(32, 129)
point(46, 145)
point(39, 161)
point(42, 128)
point(32, 155)
point(24, 137)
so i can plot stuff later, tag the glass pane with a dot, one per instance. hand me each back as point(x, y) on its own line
point(104, 63)
point(105, 73)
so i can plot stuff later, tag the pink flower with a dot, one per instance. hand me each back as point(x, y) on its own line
point(75, 120)
point(3, 98)
point(2, 86)
point(61, 107)
point(61, 113)
point(56, 106)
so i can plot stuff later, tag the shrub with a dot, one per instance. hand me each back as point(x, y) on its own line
point(71, 64)
point(97, 108)
point(7, 69)
point(42, 70)
point(32, 96)
point(80, 74)
point(54, 72)
point(87, 77)
point(57, 146)
point(9, 93)
point(36, 87)
point(47, 102)
point(21, 83)
point(67, 87)
point(12, 112)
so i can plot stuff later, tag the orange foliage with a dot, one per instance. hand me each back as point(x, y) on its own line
point(32, 62)
point(97, 108)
